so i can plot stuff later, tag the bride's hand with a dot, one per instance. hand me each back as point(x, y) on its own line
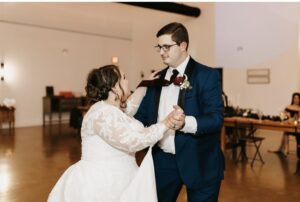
point(175, 119)
point(153, 75)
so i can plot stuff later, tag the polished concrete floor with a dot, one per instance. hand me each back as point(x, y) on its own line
point(33, 158)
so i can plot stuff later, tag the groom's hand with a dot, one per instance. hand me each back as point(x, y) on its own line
point(154, 75)
point(177, 118)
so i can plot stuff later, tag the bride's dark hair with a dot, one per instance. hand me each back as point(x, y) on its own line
point(101, 81)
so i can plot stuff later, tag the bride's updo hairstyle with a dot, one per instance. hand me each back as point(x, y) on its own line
point(101, 81)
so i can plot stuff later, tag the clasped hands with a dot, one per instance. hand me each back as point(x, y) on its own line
point(175, 119)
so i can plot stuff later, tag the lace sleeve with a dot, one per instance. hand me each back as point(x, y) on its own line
point(126, 133)
point(135, 100)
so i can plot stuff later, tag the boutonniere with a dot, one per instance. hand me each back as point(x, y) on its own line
point(183, 82)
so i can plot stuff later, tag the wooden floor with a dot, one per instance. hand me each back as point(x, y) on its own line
point(33, 158)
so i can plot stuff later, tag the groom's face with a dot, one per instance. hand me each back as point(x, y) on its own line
point(172, 56)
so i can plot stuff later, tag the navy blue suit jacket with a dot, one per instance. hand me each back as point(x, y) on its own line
point(198, 156)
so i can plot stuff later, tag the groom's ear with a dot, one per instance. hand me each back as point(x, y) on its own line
point(183, 46)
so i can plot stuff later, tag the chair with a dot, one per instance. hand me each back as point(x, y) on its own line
point(232, 140)
point(297, 137)
point(249, 138)
point(49, 91)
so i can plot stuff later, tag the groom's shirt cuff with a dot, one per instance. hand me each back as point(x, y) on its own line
point(190, 125)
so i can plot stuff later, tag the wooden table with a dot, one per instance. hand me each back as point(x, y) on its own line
point(7, 115)
point(59, 105)
point(285, 126)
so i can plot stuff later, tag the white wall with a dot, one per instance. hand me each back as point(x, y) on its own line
point(36, 59)
point(270, 98)
point(258, 35)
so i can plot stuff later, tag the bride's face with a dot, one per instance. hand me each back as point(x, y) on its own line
point(124, 85)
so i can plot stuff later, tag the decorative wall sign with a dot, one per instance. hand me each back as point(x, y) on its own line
point(258, 76)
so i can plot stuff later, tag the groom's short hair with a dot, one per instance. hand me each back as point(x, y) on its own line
point(177, 30)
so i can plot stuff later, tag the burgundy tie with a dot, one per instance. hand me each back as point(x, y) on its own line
point(174, 75)
point(175, 79)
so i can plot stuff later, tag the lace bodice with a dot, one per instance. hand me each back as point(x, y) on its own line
point(119, 129)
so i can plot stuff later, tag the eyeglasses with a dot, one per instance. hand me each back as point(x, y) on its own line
point(165, 48)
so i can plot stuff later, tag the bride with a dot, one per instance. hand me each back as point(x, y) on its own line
point(107, 170)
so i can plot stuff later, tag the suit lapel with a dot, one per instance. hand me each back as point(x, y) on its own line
point(188, 71)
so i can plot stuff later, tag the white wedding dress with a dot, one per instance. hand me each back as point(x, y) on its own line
point(107, 171)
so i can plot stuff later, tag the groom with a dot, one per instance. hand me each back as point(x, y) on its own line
point(190, 154)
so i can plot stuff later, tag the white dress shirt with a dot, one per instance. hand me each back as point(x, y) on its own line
point(168, 98)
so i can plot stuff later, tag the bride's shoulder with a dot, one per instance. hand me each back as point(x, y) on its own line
point(102, 108)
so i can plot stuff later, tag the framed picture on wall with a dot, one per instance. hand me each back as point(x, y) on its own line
point(258, 76)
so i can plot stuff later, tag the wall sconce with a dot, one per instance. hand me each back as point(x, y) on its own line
point(2, 71)
point(115, 60)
